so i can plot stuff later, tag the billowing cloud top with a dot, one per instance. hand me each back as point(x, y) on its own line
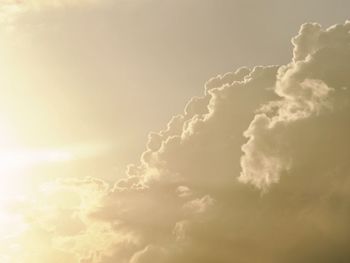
point(255, 170)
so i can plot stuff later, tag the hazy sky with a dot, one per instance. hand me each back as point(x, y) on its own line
point(84, 82)
point(117, 69)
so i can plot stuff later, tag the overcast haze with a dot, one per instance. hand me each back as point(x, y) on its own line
point(139, 131)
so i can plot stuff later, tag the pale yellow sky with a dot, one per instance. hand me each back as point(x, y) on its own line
point(84, 82)
point(103, 67)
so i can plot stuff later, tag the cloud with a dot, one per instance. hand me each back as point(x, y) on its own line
point(255, 170)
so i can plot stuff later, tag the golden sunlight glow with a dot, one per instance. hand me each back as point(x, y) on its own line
point(13, 165)
point(15, 162)
point(152, 131)
point(16, 159)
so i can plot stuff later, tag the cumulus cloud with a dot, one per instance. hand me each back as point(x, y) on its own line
point(255, 170)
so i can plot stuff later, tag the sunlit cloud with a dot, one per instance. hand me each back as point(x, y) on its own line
point(254, 170)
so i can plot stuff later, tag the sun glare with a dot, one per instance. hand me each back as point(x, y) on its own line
point(15, 164)
point(17, 159)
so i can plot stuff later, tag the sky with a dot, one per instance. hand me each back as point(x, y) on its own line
point(139, 131)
